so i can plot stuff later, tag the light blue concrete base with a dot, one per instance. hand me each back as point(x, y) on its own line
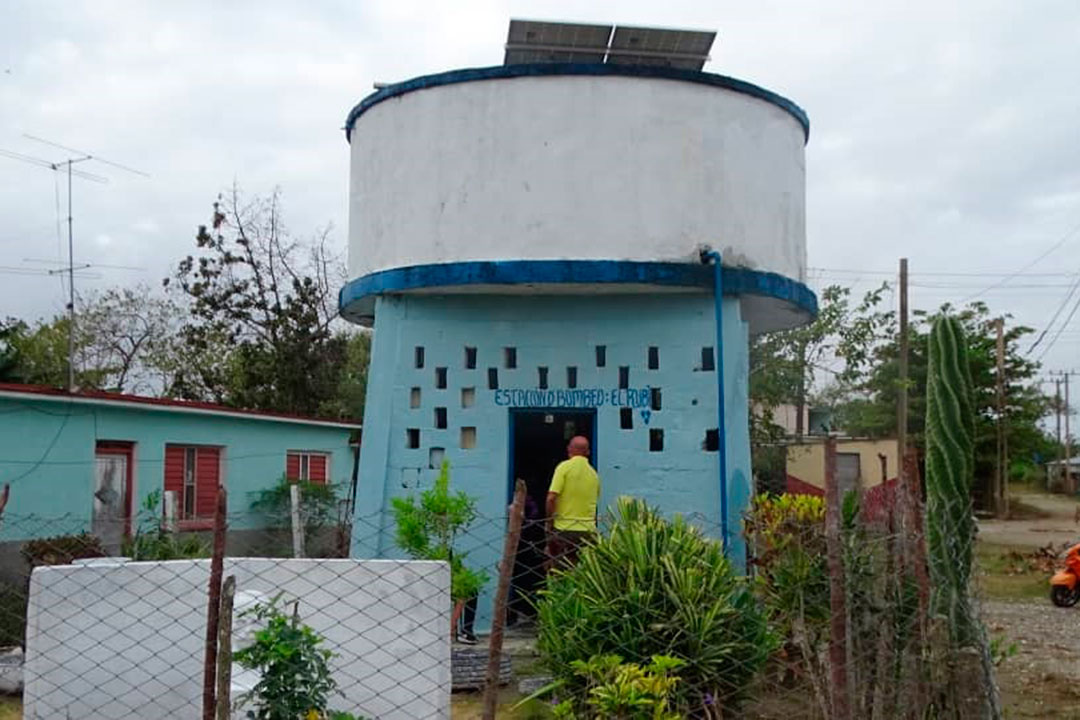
point(555, 332)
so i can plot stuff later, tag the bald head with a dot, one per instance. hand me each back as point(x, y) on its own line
point(579, 445)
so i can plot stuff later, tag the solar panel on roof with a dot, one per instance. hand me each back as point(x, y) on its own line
point(532, 41)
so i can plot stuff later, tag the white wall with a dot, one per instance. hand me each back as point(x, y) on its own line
point(577, 167)
point(126, 640)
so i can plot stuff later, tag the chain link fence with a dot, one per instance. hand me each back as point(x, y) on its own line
point(834, 614)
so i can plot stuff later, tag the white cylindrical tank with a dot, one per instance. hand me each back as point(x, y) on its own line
point(629, 164)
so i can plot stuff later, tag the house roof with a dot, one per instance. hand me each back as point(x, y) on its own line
point(1070, 461)
point(99, 397)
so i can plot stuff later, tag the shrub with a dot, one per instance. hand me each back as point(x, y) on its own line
point(152, 542)
point(428, 527)
point(625, 690)
point(62, 549)
point(654, 587)
point(786, 534)
point(295, 681)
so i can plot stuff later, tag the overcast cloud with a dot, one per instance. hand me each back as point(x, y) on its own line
point(949, 133)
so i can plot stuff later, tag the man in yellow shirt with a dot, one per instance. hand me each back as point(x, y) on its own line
point(571, 504)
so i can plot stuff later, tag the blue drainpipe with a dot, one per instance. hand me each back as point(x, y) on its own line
point(721, 430)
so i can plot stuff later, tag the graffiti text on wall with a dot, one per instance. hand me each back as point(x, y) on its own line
point(585, 398)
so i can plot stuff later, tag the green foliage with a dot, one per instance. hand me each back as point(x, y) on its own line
point(261, 310)
point(655, 587)
point(624, 691)
point(869, 408)
point(784, 366)
point(787, 536)
point(295, 681)
point(428, 528)
point(318, 503)
point(62, 549)
point(152, 542)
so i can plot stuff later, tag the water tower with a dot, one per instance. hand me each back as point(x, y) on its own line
point(579, 241)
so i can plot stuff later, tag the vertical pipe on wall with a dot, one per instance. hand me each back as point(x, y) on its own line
point(718, 274)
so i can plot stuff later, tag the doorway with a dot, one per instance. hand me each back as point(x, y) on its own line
point(111, 519)
point(538, 440)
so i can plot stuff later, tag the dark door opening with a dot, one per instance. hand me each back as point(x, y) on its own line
point(538, 440)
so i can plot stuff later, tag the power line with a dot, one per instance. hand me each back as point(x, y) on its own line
point(1052, 248)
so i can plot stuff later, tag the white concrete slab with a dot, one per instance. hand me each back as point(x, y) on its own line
point(125, 639)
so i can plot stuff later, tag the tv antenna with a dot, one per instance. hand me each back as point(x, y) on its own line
point(76, 156)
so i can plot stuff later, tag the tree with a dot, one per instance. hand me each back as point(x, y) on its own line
point(785, 366)
point(261, 314)
point(870, 408)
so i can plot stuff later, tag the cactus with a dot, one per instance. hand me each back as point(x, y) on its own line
point(950, 525)
point(949, 472)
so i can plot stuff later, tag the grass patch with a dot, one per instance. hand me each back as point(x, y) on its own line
point(470, 706)
point(1001, 579)
point(10, 708)
point(1020, 510)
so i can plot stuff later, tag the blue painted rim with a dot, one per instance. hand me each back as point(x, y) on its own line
point(736, 281)
point(503, 72)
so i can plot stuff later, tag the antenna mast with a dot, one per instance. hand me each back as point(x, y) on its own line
point(77, 157)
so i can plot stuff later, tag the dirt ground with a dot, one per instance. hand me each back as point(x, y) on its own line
point(1042, 680)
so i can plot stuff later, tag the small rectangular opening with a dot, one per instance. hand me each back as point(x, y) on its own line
point(414, 397)
point(708, 362)
point(418, 357)
point(601, 355)
point(624, 377)
point(571, 377)
point(470, 358)
point(435, 457)
point(510, 358)
point(542, 377)
point(440, 418)
point(493, 378)
point(656, 440)
point(412, 438)
point(440, 378)
point(654, 357)
point(468, 397)
point(626, 419)
point(468, 438)
point(655, 398)
point(712, 440)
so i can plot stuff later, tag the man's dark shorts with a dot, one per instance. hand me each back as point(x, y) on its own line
point(565, 546)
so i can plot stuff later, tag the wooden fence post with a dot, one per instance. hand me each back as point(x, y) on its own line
point(213, 609)
point(224, 649)
point(502, 592)
point(837, 588)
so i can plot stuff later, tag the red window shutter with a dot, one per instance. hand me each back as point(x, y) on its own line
point(174, 470)
point(207, 478)
point(317, 469)
point(292, 466)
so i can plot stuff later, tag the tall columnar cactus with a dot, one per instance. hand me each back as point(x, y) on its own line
point(950, 531)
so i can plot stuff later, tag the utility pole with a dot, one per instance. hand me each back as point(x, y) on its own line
point(1069, 484)
point(1057, 410)
point(902, 389)
point(1001, 474)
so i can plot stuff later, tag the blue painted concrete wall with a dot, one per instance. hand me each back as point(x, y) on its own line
point(47, 455)
point(556, 332)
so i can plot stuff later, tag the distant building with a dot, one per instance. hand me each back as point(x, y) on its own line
point(869, 466)
point(1062, 475)
point(86, 461)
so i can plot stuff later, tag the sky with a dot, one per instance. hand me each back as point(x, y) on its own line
point(947, 133)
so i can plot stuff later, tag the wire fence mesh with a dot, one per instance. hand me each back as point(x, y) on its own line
point(829, 617)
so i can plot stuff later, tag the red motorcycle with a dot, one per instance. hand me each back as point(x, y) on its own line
point(1065, 585)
